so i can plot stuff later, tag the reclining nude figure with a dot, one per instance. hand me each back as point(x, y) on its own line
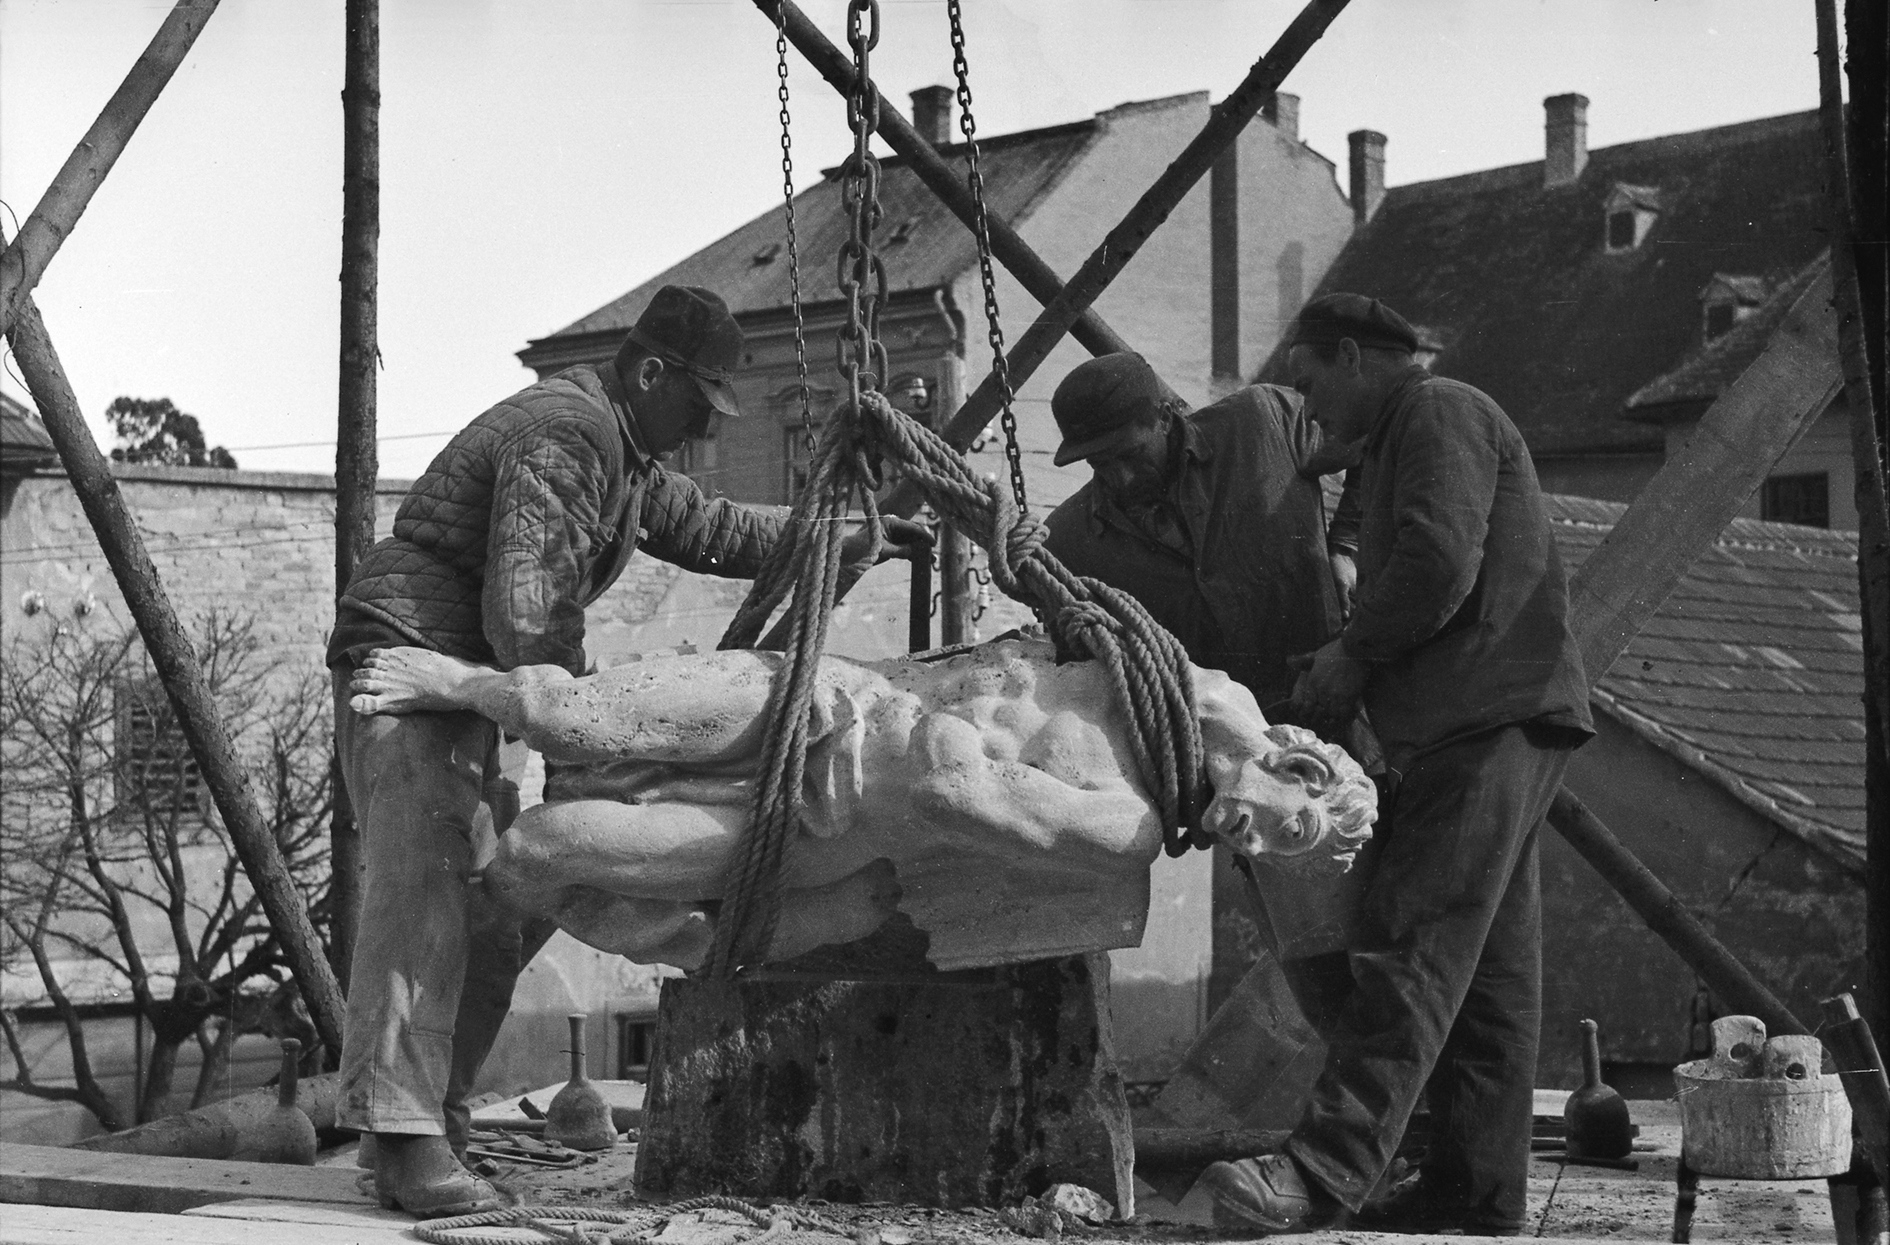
point(992, 796)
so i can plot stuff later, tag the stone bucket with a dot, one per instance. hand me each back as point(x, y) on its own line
point(1759, 1128)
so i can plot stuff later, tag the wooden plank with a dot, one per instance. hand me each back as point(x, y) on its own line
point(66, 1225)
point(265, 1210)
point(1690, 500)
point(51, 1176)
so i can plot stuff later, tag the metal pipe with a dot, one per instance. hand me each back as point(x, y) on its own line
point(919, 604)
point(176, 663)
point(58, 211)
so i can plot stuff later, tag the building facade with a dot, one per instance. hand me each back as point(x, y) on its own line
point(1565, 287)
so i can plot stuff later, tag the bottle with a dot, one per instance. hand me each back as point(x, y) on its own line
point(578, 1117)
point(286, 1134)
point(1597, 1116)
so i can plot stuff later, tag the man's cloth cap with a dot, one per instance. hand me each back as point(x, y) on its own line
point(1367, 321)
point(1100, 400)
point(692, 329)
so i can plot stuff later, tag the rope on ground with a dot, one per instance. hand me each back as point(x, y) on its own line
point(780, 1223)
point(1085, 617)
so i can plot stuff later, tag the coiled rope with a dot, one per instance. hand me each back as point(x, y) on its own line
point(1085, 617)
point(566, 1223)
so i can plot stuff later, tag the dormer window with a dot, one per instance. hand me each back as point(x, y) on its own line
point(1630, 212)
point(1726, 300)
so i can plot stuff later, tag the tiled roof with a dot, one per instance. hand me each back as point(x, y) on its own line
point(1715, 365)
point(1516, 283)
point(23, 439)
point(1017, 169)
point(1752, 671)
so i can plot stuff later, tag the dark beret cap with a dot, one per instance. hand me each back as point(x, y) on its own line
point(1367, 321)
point(1101, 397)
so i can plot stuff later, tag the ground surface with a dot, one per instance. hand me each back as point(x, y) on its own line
point(63, 1197)
point(1566, 1203)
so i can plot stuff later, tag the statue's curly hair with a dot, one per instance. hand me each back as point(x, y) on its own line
point(1351, 801)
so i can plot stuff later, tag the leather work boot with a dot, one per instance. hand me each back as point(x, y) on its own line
point(1268, 1194)
point(418, 1174)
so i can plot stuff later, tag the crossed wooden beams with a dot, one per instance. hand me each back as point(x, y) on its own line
point(21, 265)
point(1633, 571)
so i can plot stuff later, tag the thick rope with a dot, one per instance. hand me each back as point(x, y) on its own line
point(779, 1222)
point(1085, 617)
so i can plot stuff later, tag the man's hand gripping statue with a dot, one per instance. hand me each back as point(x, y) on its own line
point(992, 797)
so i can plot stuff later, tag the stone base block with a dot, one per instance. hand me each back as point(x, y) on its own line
point(975, 1089)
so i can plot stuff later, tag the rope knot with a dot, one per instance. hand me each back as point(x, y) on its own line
point(1087, 622)
point(1016, 536)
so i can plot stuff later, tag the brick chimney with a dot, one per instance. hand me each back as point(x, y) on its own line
point(1566, 152)
point(932, 114)
point(1368, 173)
point(1283, 111)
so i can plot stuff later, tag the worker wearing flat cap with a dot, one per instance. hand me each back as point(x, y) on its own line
point(1213, 520)
point(1458, 648)
point(525, 518)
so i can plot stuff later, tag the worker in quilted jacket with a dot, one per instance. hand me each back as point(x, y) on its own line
point(523, 520)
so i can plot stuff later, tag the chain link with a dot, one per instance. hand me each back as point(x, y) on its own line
point(793, 240)
point(858, 351)
point(974, 175)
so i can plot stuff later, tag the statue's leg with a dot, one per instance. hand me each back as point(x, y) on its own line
point(695, 709)
point(679, 932)
point(646, 851)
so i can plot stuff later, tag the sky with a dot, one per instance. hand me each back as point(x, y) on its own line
point(541, 157)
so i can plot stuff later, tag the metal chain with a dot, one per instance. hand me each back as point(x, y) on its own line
point(793, 240)
point(969, 127)
point(858, 351)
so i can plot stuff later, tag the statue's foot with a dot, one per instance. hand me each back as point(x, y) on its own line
point(408, 680)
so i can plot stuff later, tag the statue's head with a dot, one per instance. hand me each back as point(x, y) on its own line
point(1296, 803)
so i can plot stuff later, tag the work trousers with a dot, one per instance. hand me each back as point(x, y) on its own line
point(434, 961)
point(1445, 996)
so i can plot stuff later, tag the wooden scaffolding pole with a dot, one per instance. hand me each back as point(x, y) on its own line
point(59, 209)
point(1867, 33)
point(176, 664)
point(357, 457)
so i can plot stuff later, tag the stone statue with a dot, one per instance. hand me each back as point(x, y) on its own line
point(990, 795)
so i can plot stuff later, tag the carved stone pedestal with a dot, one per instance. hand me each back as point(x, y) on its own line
point(974, 1088)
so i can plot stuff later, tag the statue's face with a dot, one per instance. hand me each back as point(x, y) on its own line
point(1278, 807)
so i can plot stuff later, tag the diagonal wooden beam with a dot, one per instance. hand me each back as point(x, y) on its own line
point(176, 663)
point(1230, 117)
point(59, 209)
point(1007, 246)
point(1692, 498)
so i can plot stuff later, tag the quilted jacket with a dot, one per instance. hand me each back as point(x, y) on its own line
point(526, 517)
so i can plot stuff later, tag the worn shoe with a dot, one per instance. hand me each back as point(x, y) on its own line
point(418, 1174)
point(1268, 1194)
point(1405, 1209)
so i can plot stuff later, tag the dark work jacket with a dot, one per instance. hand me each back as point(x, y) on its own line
point(1462, 603)
point(1259, 587)
point(524, 519)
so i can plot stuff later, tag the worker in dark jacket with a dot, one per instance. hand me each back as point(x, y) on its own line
point(1207, 518)
point(523, 520)
point(1459, 648)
